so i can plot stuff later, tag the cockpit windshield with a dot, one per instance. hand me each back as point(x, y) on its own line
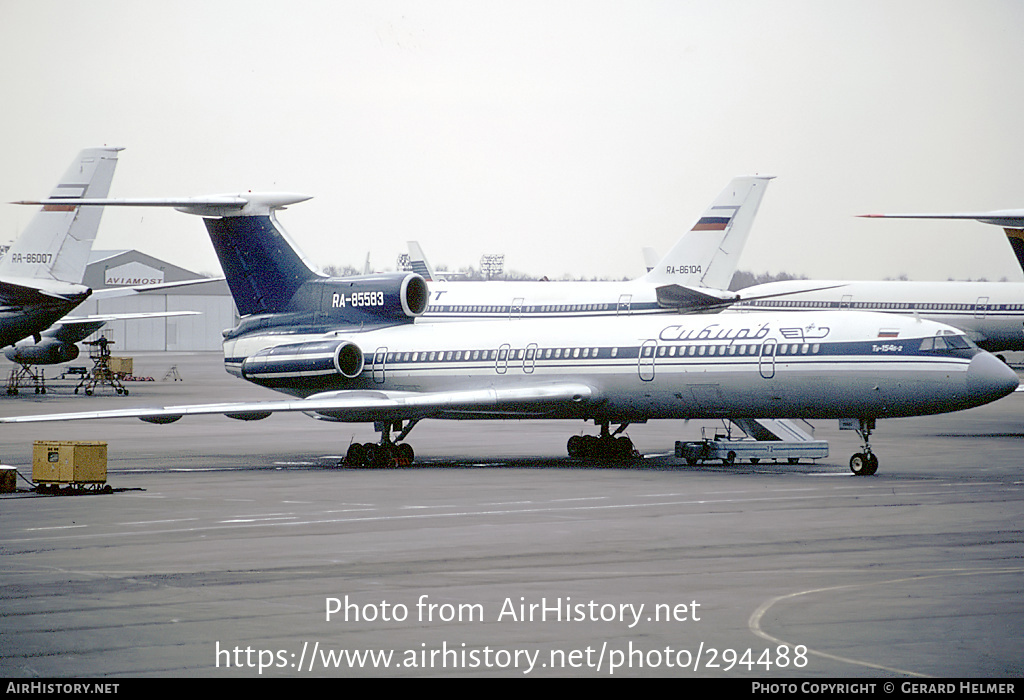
point(951, 345)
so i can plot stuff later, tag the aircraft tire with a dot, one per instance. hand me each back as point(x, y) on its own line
point(860, 464)
point(405, 453)
point(371, 453)
point(872, 463)
point(730, 458)
point(575, 447)
point(623, 449)
point(355, 455)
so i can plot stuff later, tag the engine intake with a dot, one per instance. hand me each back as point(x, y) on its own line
point(376, 298)
point(313, 359)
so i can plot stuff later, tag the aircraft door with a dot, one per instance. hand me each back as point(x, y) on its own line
point(981, 307)
point(766, 362)
point(623, 308)
point(501, 363)
point(530, 359)
point(379, 359)
point(515, 311)
point(645, 363)
point(846, 301)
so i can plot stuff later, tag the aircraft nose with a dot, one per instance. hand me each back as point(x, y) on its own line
point(989, 378)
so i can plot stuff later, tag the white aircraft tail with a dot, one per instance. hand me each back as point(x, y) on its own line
point(56, 243)
point(419, 262)
point(650, 258)
point(707, 254)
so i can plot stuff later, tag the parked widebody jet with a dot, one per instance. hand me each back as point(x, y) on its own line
point(41, 274)
point(991, 313)
point(348, 350)
point(694, 275)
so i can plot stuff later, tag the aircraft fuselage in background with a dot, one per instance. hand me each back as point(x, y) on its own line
point(694, 274)
point(991, 313)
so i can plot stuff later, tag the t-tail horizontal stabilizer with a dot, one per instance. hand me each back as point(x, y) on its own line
point(263, 266)
point(270, 277)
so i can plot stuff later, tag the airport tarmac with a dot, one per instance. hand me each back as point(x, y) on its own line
point(227, 543)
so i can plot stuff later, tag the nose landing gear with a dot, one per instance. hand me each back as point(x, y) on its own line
point(865, 463)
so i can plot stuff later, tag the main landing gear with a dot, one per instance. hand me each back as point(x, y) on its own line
point(386, 453)
point(865, 463)
point(607, 447)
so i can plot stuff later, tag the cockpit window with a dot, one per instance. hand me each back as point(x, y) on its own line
point(950, 345)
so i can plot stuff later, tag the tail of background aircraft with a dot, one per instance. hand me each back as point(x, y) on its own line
point(419, 261)
point(56, 243)
point(1016, 238)
point(650, 258)
point(707, 254)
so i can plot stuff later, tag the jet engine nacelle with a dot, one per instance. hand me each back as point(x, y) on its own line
point(386, 298)
point(312, 359)
point(45, 352)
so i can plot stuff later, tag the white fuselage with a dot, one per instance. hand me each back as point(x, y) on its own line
point(991, 313)
point(814, 365)
point(479, 301)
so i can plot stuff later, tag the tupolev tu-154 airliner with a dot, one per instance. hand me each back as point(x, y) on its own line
point(350, 350)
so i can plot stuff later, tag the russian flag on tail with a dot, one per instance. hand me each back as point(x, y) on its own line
point(716, 223)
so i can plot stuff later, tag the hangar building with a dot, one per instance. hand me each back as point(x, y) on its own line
point(126, 268)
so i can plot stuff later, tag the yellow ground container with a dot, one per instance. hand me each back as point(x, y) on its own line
point(63, 462)
point(120, 365)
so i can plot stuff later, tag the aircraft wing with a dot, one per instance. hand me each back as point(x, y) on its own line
point(71, 320)
point(1008, 218)
point(18, 290)
point(114, 292)
point(358, 406)
point(72, 329)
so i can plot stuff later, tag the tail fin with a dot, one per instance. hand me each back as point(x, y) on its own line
point(56, 243)
point(650, 258)
point(264, 269)
point(707, 254)
point(419, 261)
point(1016, 238)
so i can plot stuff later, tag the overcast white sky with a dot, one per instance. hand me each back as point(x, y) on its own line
point(566, 134)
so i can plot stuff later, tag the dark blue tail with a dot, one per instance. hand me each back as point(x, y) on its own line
point(262, 267)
